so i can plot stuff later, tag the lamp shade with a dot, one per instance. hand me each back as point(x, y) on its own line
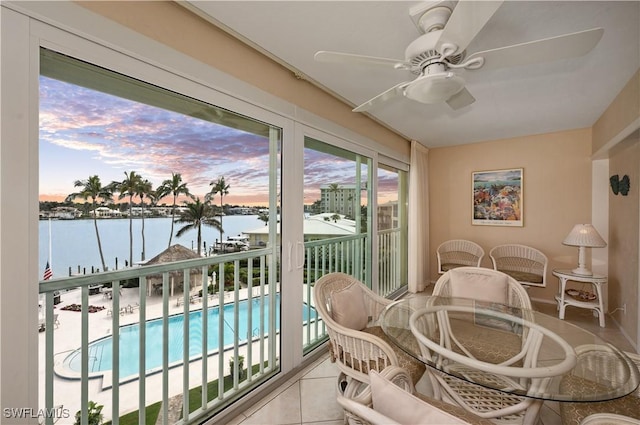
point(584, 235)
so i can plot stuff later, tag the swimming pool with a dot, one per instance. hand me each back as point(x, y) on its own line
point(100, 351)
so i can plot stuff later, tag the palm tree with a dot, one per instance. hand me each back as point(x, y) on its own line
point(198, 214)
point(222, 188)
point(145, 188)
point(264, 218)
point(333, 189)
point(173, 186)
point(128, 188)
point(92, 188)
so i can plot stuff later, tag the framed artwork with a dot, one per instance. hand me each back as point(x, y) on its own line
point(497, 197)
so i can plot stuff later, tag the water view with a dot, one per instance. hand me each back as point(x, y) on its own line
point(73, 242)
point(100, 351)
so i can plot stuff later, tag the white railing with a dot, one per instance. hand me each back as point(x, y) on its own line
point(389, 261)
point(349, 254)
point(155, 299)
point(118, 394)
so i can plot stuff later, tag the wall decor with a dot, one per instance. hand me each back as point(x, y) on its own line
point(620, 185)
point(498, 197)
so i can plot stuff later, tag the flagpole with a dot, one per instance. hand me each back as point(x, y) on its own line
point(50, 262)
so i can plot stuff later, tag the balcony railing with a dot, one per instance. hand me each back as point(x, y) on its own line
point(170, 326)
point(157, 314)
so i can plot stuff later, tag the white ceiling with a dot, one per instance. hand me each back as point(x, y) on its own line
point(524, 100)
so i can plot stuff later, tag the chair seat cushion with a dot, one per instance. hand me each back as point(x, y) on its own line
point(448, 266)
point(574, 413)
point(456, 411)
point(414, 367)
point(523, 276)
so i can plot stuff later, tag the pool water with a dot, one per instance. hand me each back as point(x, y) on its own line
point(100, 351)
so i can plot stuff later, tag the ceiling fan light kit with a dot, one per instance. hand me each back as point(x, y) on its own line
point(441, 48)
point(434, 87)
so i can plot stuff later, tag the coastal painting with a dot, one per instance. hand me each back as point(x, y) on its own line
point(497, 197)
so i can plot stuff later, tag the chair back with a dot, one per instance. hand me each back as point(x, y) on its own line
point(457, 253)
point(339, 297)
point(525, 264)
point(489, 287)
point(466, 376)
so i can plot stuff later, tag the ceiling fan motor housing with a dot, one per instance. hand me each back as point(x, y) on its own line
point(435, 85)
point(421, 52)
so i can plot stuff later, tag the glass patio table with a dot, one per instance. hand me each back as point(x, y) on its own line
point(506, 346)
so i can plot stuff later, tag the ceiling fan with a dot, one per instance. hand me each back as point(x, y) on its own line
point(440, 51)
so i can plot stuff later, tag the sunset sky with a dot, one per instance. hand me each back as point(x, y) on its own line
point(85, 132)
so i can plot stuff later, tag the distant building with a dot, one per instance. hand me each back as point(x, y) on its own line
point(137, 211)
point(62, 213)
point(388, 216)
point(165, 211)
point(340, 199)
point(241, 211)
point(105, 212)
point(315, 227)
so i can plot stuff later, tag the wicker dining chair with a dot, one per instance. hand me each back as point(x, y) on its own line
point(525, 264)
point(519, 370)
point(609, 419)
point(484, 285)
point(597, 365)
point(392, 399)
point(357, 344)
point(458, 253)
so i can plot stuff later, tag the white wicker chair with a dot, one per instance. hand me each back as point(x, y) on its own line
point(525, 264)
point(357, 351)
point(361, 410)
point(445, 346)
point(458, 253)
point(609, 419)
point(517, 296)
point(596, 365)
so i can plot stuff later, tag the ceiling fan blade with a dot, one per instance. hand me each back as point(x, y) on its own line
point(337, 57)
point(461, 99)
point(395, 91)
point(466, 21)
point(545, 50)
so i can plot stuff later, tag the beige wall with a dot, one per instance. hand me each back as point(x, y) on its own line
point(557, 195)
point(620, 118)
point(176, 27)
point(623, 111)
point(557, 167)
point(624, 228)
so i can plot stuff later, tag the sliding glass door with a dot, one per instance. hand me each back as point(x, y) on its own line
point(391, 229)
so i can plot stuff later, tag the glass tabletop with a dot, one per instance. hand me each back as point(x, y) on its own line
point(516, 351)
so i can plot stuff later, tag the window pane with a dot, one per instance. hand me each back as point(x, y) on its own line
point(392, 228)
point(134, 176)
point(337, 219)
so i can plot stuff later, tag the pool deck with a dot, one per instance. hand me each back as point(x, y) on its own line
point(67, 339)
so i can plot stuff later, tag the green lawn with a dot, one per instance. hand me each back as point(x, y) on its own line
point(195, 400)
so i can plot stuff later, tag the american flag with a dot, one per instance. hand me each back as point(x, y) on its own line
point(48, 274)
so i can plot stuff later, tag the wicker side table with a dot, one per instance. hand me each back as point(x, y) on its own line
point(564, 300)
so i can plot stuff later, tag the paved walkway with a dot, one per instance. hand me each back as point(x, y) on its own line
point(67, 338)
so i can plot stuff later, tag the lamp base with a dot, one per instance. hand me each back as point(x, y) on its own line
point(582, 271)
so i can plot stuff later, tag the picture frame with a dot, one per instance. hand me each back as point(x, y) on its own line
point(497, 197)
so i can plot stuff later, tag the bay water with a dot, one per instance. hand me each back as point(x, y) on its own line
point(73, 242)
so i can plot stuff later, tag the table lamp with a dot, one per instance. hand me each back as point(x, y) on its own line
point(583, 236)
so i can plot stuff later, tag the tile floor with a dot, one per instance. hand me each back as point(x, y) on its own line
point(310, 398)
